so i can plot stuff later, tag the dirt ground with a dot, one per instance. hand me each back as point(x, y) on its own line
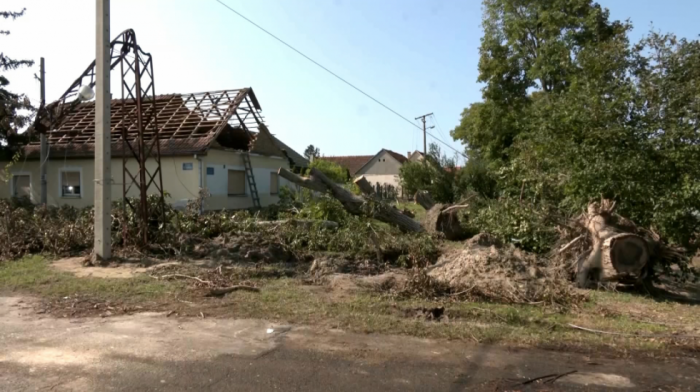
point(151, 351)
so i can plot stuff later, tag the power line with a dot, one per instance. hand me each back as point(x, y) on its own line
point(332, 73)
point(439, 128)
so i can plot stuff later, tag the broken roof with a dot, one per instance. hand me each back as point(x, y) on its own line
point(187, 124)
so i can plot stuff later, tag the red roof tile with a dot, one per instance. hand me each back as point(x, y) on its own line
point(397, 156)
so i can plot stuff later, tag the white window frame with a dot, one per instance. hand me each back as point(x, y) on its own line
point(60, 182)
point(12, 183)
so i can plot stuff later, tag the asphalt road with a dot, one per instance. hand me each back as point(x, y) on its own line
point(152, 352)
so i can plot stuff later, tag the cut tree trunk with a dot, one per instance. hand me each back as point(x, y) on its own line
point(624, 257)
point(318, 181)
point(617, 256)
point(364, 186)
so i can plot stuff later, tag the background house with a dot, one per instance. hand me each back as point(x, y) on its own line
point(382, 168)
point(202, 138)
point(415, 156)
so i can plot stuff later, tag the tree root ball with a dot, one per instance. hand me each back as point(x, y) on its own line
point(448, 223)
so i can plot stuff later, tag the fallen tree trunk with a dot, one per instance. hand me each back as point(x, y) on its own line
point(424, 199)
point(318, 181)
point(302, 223)
point(364, 186)
point(620, 252)
point(441, 218)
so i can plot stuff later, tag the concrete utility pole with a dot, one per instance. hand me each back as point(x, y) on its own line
point(43, 153)
point(425, 139)
point(103, 153)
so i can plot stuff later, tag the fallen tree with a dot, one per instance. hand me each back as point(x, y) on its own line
point(356, 205)
point(610, 248)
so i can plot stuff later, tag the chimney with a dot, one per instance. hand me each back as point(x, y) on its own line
point(408, 154)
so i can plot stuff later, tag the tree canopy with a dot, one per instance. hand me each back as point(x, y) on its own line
point(312, 151)
point(15, 109)
point(571, 110)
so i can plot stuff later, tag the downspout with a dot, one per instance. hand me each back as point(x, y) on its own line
point(201, 182)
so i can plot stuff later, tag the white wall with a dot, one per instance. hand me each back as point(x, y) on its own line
point(217, 184)
point(383, 169)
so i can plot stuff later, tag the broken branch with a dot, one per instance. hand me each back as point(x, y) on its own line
point(223, 291)
point(184, 276)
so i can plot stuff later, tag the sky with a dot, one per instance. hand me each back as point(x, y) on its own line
point(415, 56)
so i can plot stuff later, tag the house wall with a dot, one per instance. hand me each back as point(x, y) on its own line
point(383, 169)
point(217, 183)
point(181, 185)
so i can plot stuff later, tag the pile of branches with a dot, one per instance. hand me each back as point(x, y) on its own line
point(234, 235)
point(602, 247)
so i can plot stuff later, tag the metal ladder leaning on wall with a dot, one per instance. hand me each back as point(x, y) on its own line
point(251, 180)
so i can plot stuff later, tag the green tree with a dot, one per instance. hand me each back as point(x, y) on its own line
point(528, 46)
point(436, 175)
point(572, 111)
point(332, 170)
point(15, 109)
point(312, 151)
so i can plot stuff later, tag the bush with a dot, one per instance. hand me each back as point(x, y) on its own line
point(531, 227)
point(332, 170)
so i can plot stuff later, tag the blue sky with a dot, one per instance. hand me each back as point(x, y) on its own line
point(416, 56)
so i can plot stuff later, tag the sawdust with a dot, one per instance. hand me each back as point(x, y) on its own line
point(74, 265)
point(483, 270)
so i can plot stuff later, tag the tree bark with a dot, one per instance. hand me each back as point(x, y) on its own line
point(318, 181)
point(424, 199)
point(364, 186)
point(617, 255)
point(303, 223)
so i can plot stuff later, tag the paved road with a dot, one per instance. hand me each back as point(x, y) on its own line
point(152, 352)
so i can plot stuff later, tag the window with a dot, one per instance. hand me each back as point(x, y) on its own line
point(274, 183)
point(70, 183)
point(21, 185)
point(187, 166)
point(236, 183)
point(210, 171)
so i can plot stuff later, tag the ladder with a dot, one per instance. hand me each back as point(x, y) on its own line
point(251, 180)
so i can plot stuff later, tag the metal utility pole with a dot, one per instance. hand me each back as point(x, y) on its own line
point(103, 146)
point(425, 139)
point(43, 153)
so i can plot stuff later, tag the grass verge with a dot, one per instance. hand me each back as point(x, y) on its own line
point(649, 327)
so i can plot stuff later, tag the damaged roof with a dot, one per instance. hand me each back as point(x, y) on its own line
point(187, 124)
